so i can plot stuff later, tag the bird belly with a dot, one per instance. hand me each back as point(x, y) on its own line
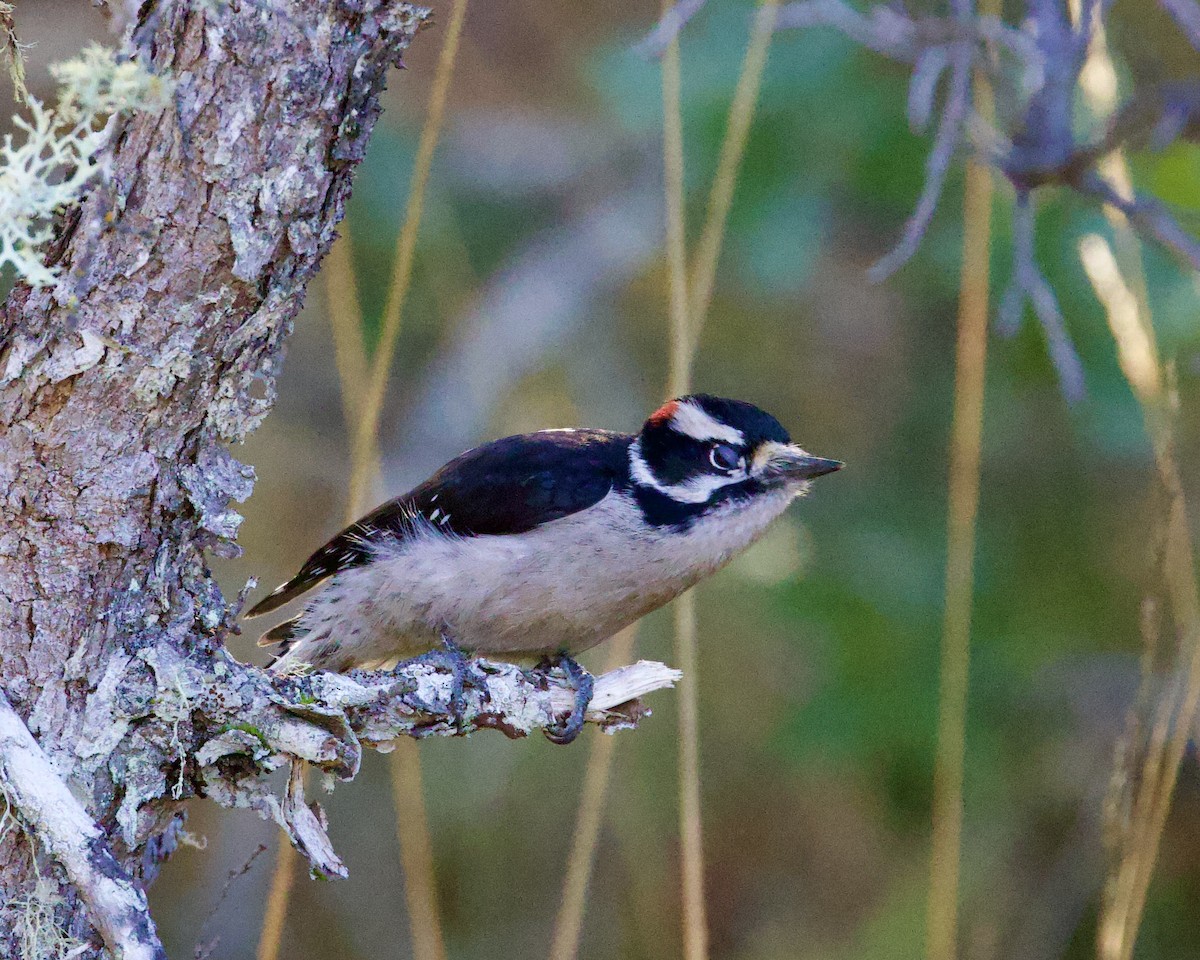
point(564, 586)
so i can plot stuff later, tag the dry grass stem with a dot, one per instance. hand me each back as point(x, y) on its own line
point(1119, 281)
point(364, 386)
point(367, 426)
point(270, 937)
point(695, 923)
point(569, 923)
point(686, 320)
point(346, 323)
point(733, 147)
point(404, 764)
point(965, 446)
point(680, 374)
point(416, 851)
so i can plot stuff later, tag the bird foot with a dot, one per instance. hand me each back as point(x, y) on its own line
point(565, 731)
point(451, 657)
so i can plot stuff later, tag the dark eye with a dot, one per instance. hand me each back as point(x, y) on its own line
point(724, 457)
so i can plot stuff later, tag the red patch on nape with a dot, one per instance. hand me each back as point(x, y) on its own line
point(663, 414)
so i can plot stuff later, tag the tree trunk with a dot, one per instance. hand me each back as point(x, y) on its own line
point(120, 390)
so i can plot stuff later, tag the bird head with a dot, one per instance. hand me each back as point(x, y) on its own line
point(701, 450)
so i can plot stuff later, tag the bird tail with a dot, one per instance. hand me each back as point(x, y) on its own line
point(281, 636)
point(284, 593)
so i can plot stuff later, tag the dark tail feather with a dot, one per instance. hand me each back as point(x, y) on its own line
point(278, 597)
point(283, 635)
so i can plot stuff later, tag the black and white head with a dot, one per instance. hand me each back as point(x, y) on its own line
point(700, 452)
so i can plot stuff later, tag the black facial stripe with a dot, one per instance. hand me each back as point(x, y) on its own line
point(673, 457)
point(661, 510)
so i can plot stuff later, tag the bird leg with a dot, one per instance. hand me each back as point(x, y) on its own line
point(450, 656)
point(567, 730)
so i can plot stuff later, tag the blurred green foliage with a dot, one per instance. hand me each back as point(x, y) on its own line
point(819, 651)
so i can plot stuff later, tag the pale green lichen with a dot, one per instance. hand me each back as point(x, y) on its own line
point(58, 153)
point(14, 52)
point(95, 84)
point(32, 915)
point(38, 933)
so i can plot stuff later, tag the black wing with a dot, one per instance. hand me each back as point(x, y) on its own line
point(504, 487)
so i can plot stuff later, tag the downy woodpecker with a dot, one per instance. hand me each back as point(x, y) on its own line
point(545, 544)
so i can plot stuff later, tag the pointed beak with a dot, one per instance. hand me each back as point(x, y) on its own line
point(783, 462)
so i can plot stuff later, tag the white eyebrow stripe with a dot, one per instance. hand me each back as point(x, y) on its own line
point(693, 421)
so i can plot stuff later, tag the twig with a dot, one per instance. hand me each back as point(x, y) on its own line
point(888, 31)
point(884, 29)
point(946, 141)
point(922, 88)
point(668, 28)
point(204, 950)
point(326, 719)
point(51, 814)
point(1148, 216)
point(1187, 17)
point(1027, 283)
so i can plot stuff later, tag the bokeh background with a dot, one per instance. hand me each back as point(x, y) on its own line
point(539, 300)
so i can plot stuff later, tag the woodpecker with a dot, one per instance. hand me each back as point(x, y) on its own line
point(545, 544)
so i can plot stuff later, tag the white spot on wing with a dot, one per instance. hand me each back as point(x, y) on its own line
point(573, 581)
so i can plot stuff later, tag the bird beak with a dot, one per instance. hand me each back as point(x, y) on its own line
point(782, 462)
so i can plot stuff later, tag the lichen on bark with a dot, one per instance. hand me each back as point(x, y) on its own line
point(122, 386)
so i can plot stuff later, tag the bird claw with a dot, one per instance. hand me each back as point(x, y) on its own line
point(451, 657)
point(563, 732)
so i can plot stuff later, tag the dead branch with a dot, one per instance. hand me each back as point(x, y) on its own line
point(51, 815)
point(1028, 284)
point(243, 723)
point(1148, 216)
point(1187, 16)
point(1041, 148)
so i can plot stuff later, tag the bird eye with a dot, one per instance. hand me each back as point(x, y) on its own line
point(724, 457)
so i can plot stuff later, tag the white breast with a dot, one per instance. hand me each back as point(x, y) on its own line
point(565, 585)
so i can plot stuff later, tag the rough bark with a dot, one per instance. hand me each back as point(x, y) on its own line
point(120, 391)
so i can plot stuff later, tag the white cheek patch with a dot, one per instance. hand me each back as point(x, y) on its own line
point(691, 420)
point(695, 490)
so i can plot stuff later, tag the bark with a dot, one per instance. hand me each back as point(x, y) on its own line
point(120, 390)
